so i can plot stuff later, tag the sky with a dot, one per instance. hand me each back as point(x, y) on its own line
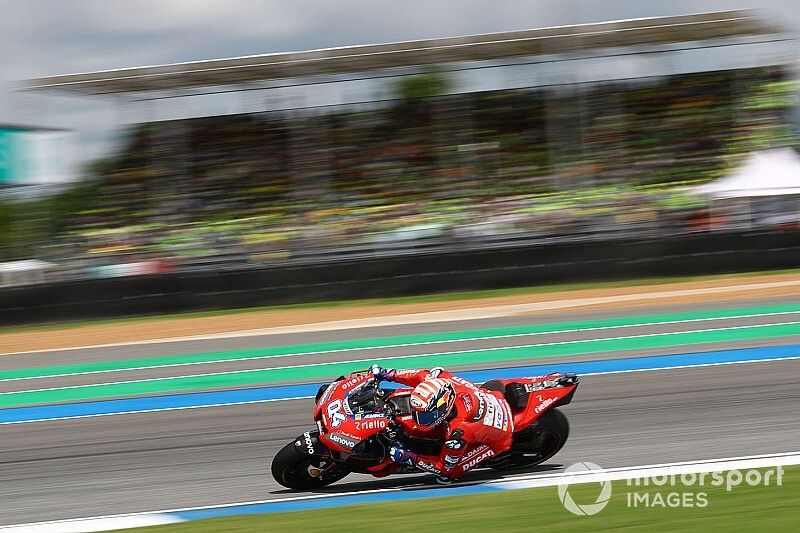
point(40, 37)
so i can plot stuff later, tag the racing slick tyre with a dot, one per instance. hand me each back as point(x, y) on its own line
point(291, 468)
point(535, 444)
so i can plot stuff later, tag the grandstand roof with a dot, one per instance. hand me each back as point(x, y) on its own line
point(350, 59)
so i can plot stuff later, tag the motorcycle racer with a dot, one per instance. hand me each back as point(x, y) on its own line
point(476, 423)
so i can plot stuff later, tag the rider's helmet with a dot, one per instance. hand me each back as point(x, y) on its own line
point(432, 401)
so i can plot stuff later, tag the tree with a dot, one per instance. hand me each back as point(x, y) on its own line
point(415, 95)
point(426, 85)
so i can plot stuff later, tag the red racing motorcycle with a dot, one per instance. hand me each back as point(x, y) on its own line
point(357, 421)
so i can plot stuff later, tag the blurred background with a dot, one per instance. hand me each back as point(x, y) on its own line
point(642, 129)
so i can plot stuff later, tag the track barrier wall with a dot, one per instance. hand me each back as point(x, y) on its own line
point(423, 273)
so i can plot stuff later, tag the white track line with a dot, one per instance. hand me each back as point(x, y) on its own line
point(424, 343)
point(373, 359)
point(475, 313)
point(169, 516)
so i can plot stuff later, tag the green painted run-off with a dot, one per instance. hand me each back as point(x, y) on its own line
point(324, 371)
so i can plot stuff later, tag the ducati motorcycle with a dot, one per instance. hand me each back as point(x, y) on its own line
point(357, 421)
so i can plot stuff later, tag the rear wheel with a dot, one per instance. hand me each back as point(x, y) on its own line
point(537, 443)
point(290, 468)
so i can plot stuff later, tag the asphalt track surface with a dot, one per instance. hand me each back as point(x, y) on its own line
point(145, 462)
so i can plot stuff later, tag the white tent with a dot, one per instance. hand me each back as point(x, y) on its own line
point(769, 173)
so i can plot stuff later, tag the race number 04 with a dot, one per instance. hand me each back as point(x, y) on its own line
point(335, 414)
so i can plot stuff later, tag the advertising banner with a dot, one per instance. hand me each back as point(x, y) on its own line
point(29, 156)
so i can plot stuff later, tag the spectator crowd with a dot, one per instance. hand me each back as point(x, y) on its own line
point(569, 162)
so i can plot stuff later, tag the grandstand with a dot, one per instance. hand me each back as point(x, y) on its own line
point(569, 133)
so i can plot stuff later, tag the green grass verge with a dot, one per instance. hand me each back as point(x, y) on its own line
point(438, 297)
point(744, 508)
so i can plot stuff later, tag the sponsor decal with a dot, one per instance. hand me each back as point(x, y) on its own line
point(335, 413)
point(463, 382)
point(405, 374)
point(481, 408)
point(530, 387)
point(309, 443)
point(340, 439)
point(539, 383)
point(350, 382)
point(365, 416)
point(428, 467)
point(450, 461)
point(467, 402)
point(482, 457)
point(544, 404)
point(375, 423)
point(495, 414)
point(475, 451)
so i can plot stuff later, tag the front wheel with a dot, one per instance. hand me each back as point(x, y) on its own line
point(537, 443)
point(291, 467)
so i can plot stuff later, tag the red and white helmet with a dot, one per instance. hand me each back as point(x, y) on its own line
point(432, 401)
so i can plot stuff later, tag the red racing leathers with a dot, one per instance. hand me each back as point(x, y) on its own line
point(480, 427)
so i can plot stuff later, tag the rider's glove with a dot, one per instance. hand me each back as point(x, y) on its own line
point(398, 454)
point(381, 374)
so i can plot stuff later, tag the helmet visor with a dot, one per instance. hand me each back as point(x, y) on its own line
point(429, 418)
